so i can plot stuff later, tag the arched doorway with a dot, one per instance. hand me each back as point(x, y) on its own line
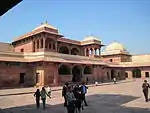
point(64, 70)
point(64, 50)
point(136, 73)
point(87, 70)
point(74, 51)
point(112, 74)
point(77, 75)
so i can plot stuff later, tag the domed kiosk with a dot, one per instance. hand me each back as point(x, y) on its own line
point(90, 38)
point(116, 52)
point(92, 45)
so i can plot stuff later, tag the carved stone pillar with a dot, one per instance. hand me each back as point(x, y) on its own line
point(85, 52)
point(43, 44)
point(93, 51)
point(39, 43)
point(35, 46)
point(56, 76)
point(56, 46)
point(99, 51)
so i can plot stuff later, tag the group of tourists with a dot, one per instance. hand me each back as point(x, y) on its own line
point(74, 96)
point(42, 95)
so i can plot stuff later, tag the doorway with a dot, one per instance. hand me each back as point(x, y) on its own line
point(147, 74)
point(112, 74)
point(136, 73)
point(77, 75)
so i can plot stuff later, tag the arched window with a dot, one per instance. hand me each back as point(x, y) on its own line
point(64, 70)
point(64, 50)
point(76, 72)
point(87, 70)
point(74, 51)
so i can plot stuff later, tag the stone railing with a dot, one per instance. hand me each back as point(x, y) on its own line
point(11, 54)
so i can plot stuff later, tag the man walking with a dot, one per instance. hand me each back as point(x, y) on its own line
point(83, 92)
point(145, 87)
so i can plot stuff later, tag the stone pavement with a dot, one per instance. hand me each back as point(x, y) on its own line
point(20, 91)
point(115, 98)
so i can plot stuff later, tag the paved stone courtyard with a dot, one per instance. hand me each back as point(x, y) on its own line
point(112, 98)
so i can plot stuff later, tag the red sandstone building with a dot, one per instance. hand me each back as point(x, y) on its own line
point(45, 56)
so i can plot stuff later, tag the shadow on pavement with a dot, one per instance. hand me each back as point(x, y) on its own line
point(99, 103)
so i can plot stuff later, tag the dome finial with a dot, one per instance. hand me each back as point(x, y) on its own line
point(46, 22)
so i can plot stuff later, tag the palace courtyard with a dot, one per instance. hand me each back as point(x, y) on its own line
point(123, 97)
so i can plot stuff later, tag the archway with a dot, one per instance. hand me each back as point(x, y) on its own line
point(64, 50)
point(64, 70)
point(76, 72)
point(136, 73)
point(74, 51)
point(48, 43)
point(112, 74)
point(87, 70)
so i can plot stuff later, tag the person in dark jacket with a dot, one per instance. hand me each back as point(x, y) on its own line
point(145, 87)
point(71, 100)
point(37, 95)
point(64, 92)
point(83, 93)
point(78, 96)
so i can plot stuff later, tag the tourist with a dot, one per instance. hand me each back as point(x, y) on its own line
point(78, 96)
point(43, 96)
point(49, 91)
point(71, 100)
point(64, 92)
point(83, 92)
point(37, 95)
point(145, 87)
point(96, 83)
point(114, 79)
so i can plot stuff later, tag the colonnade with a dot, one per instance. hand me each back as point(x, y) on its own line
point(43, 43)
point(92, 51)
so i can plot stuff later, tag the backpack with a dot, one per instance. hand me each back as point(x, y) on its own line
point(84, 89)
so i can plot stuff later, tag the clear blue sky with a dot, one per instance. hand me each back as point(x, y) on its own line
point(126, 21)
